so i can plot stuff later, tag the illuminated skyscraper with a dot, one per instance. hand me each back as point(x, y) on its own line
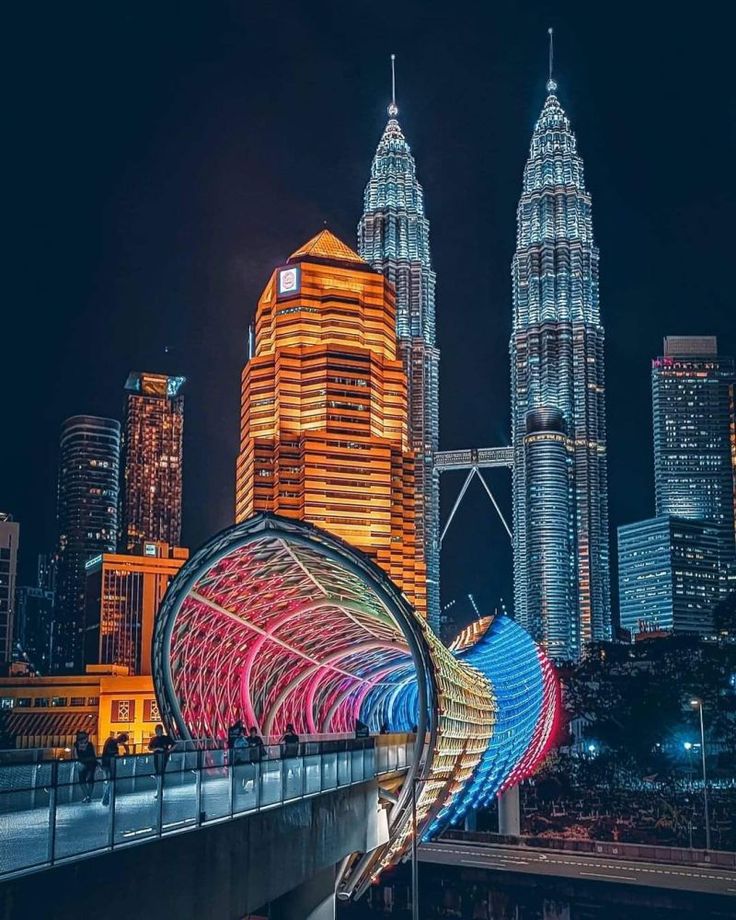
point(152, 460)
point(691, 405)
point(561, 577)
point(123, 595)
point(87, 517)
point(9, 536)
point(324, 435)
point(393, 236)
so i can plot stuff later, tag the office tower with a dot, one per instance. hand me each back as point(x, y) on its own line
point(393, 237)
point(561, 577)
point(324, 434)
point(87, 519)
point(123, 595)
point(9, 536)
point(152, 460)
point(34, 616)
point(669, 575)
point(691, 404)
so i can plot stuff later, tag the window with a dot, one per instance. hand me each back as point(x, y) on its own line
point(150, 711)
point(41, 701)
point(23, 702)
point(76, 701)
point(59, 701)
point(93, 701)
point(123, 711)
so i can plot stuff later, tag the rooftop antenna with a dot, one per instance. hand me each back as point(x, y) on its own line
point(551, 85)
point(393, 110)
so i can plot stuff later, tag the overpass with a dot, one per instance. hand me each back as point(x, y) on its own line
point(318, 800)
point(621, 864)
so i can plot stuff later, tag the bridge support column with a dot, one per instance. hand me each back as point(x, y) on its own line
point(312, 900)
point(509, 812)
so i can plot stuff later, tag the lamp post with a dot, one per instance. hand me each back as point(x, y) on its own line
point(414, 844)
point(697, 703)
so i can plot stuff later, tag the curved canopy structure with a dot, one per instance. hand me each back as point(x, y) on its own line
point(275, 621)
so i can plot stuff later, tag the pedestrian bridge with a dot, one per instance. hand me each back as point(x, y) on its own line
point(44, 822)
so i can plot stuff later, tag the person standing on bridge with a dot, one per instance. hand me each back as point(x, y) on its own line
point(160, 744)
point(290, 741)
point(110, 751)
point(85, 753)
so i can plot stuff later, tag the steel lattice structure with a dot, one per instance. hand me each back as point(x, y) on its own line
point(277, 621)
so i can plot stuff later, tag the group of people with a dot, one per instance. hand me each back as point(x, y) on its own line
point(160, 746)
point(116, 745)
point(237, 740)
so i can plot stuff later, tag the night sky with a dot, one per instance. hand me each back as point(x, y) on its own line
point(165, 157)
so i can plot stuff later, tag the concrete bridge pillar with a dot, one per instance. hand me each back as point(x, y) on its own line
point(509, 813)
point(312, 900)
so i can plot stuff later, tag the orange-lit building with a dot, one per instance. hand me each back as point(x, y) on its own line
point(123, 594)
point(324, 434)
point(47, 712)
point(152, 460)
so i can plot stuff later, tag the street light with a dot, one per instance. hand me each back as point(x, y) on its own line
point(698, 704)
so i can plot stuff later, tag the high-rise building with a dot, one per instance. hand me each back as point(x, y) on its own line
point(669, 575)
point(34, 616)
point(87, 518)
point(561, 576)
point(324, 433)
point(393, 237)
point(152, 460)
point(9, 537)
point(691, 404)
point(124, 592)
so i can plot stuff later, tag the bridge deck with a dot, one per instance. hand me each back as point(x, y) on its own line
point(44, 820)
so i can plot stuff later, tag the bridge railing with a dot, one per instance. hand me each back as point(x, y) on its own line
point(655, 853)
point(44, 818)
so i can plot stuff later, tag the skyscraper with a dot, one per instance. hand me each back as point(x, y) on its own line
point(152, 460)
point(669, 575)
point(9, 536)
point(393, 237)
point(87, 518)
point(324, 434)
point(691, 405)
point(561, 577)
point(123, 595)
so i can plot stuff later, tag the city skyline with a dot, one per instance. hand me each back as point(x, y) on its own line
point(464, 398)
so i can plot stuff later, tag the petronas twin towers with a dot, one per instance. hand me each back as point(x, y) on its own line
point(560, 542)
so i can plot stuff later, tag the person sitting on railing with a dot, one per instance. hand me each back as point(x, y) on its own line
point(160, 744)
point(110, 751)
point(290, 741)
point(85, 753)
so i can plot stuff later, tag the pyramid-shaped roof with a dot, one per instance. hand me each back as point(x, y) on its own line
point(325, 245)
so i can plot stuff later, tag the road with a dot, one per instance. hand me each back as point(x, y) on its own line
point(580, 866)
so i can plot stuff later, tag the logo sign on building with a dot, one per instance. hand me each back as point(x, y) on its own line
point(289, 280)
point(149, 549)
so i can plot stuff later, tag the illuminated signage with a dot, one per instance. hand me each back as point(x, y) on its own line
point(149, 549)
point(289, 280)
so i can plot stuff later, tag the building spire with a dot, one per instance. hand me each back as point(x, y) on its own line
point(393, 110)
point(551, 85)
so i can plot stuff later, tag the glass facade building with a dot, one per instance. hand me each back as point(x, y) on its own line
point(669, 575)
point(393, 237)
point(152, 460)
point(561, 558)
point(9, 537)
point(87, 519)
point(692, 414)
point(123, 594)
